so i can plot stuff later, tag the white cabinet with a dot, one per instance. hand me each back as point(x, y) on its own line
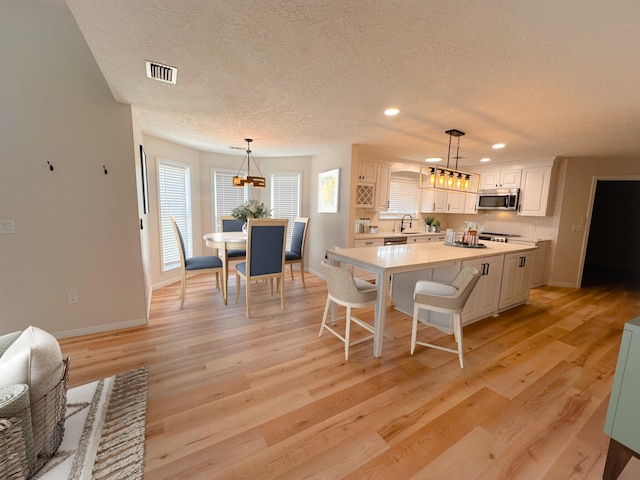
point(534, 193)
point(516, 279)
point(367, 172)
point(508, 178)
point(485, 296)
point(368, 242)
point(383, 175)
point(455, 202)
point(471, 203)
point(433, 201)
point(539, 268)
point(424, 238)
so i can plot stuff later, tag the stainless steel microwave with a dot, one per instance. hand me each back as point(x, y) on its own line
point(499, 199)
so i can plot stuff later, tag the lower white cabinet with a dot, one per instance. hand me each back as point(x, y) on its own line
point(516, 279)
point(424, 238)
point(484, 298)
point(369, 242)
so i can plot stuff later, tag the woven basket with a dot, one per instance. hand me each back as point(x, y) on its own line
point(47, 414)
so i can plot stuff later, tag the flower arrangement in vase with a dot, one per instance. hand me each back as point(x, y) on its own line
point(250, 209)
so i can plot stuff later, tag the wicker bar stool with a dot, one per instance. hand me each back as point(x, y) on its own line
point(446, 298)
point(351, 293)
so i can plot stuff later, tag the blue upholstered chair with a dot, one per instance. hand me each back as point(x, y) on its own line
point(230, 224)
point(298, 242)
point(265, 257)
point(194, 265)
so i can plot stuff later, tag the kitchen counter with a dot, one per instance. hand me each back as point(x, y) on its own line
point(366, 236)
point(404, 262)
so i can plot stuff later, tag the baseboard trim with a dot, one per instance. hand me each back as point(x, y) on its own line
point(76, 332)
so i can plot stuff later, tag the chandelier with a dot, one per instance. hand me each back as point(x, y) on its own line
point(248, 179)
point(448, 178)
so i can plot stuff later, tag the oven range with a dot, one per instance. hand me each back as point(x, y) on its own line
point(496, 237)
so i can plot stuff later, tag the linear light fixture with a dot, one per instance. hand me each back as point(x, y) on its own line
point(447, 178)
point(248, 179)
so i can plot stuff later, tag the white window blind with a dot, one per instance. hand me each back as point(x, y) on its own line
point(285, 198)
point(403, 198)
point(174, 189)
point(225, 196)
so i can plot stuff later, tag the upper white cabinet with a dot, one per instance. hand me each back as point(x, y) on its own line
point(367, 172)
point(372, 185)
point(507, 178)
point(456, 202)
point(383, 176)
point(433, 201)
point(534, 193)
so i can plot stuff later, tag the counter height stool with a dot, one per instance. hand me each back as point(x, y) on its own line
point(445, 298)
point(349, 292)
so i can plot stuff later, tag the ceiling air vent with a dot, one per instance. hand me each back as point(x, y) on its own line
point(160, 72)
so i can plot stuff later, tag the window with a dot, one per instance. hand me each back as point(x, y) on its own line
point(403, 198)
point(285, 198)
point(174, 190)
point(225, 196)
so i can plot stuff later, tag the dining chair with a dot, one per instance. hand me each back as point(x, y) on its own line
point(230, 224)
point(265, 257)
point(298, 242)
point(190, 267)
point(446, 298)
point(344, 289)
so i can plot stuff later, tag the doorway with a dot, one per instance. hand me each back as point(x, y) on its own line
point(613, 250)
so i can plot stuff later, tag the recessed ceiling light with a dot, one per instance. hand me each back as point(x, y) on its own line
point(498, 146)
point(433, 159)
point(390, 112)
point(485, 160)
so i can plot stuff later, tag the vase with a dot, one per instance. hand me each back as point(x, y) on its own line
point(244, 228)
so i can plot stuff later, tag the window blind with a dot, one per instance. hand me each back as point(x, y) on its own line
point(285, 198)
point(174, 190)
point(403, 198)
point(225, 196)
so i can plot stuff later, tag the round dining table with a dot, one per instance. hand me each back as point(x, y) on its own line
point(223, 242)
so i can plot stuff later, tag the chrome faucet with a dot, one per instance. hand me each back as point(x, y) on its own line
point(402, 222)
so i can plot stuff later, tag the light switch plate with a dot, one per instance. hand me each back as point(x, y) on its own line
point(7, 226)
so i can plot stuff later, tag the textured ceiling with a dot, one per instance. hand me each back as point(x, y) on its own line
point(546, 77)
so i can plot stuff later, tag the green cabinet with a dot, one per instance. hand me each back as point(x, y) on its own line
point(623, 421)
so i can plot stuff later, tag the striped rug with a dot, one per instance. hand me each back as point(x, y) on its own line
point(104, 431)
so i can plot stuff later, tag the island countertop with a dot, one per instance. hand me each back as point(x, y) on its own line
point(414, 256)
point(391, 260)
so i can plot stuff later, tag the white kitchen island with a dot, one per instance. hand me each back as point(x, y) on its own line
point(440, 263)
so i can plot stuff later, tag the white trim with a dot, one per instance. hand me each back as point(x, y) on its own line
point(101, 328)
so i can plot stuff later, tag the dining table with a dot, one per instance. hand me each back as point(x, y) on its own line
point(223, 242)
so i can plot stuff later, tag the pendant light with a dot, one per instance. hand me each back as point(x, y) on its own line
point(258, 182)
point(449, 178)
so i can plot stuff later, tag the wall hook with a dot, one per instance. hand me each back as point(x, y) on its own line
point(105, 169)
point(50, 166)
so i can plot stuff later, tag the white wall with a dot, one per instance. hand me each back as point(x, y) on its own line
point(576, 205)
point(202, 164)
point(329, 229)
point(76, 228)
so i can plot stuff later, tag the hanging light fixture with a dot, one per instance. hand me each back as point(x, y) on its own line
point(449, 178)
point(258, 182)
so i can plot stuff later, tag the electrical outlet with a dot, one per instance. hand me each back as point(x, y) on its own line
point(72, 296)
point(7, 226)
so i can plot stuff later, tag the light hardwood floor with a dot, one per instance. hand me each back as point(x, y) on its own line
point(265, 398)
